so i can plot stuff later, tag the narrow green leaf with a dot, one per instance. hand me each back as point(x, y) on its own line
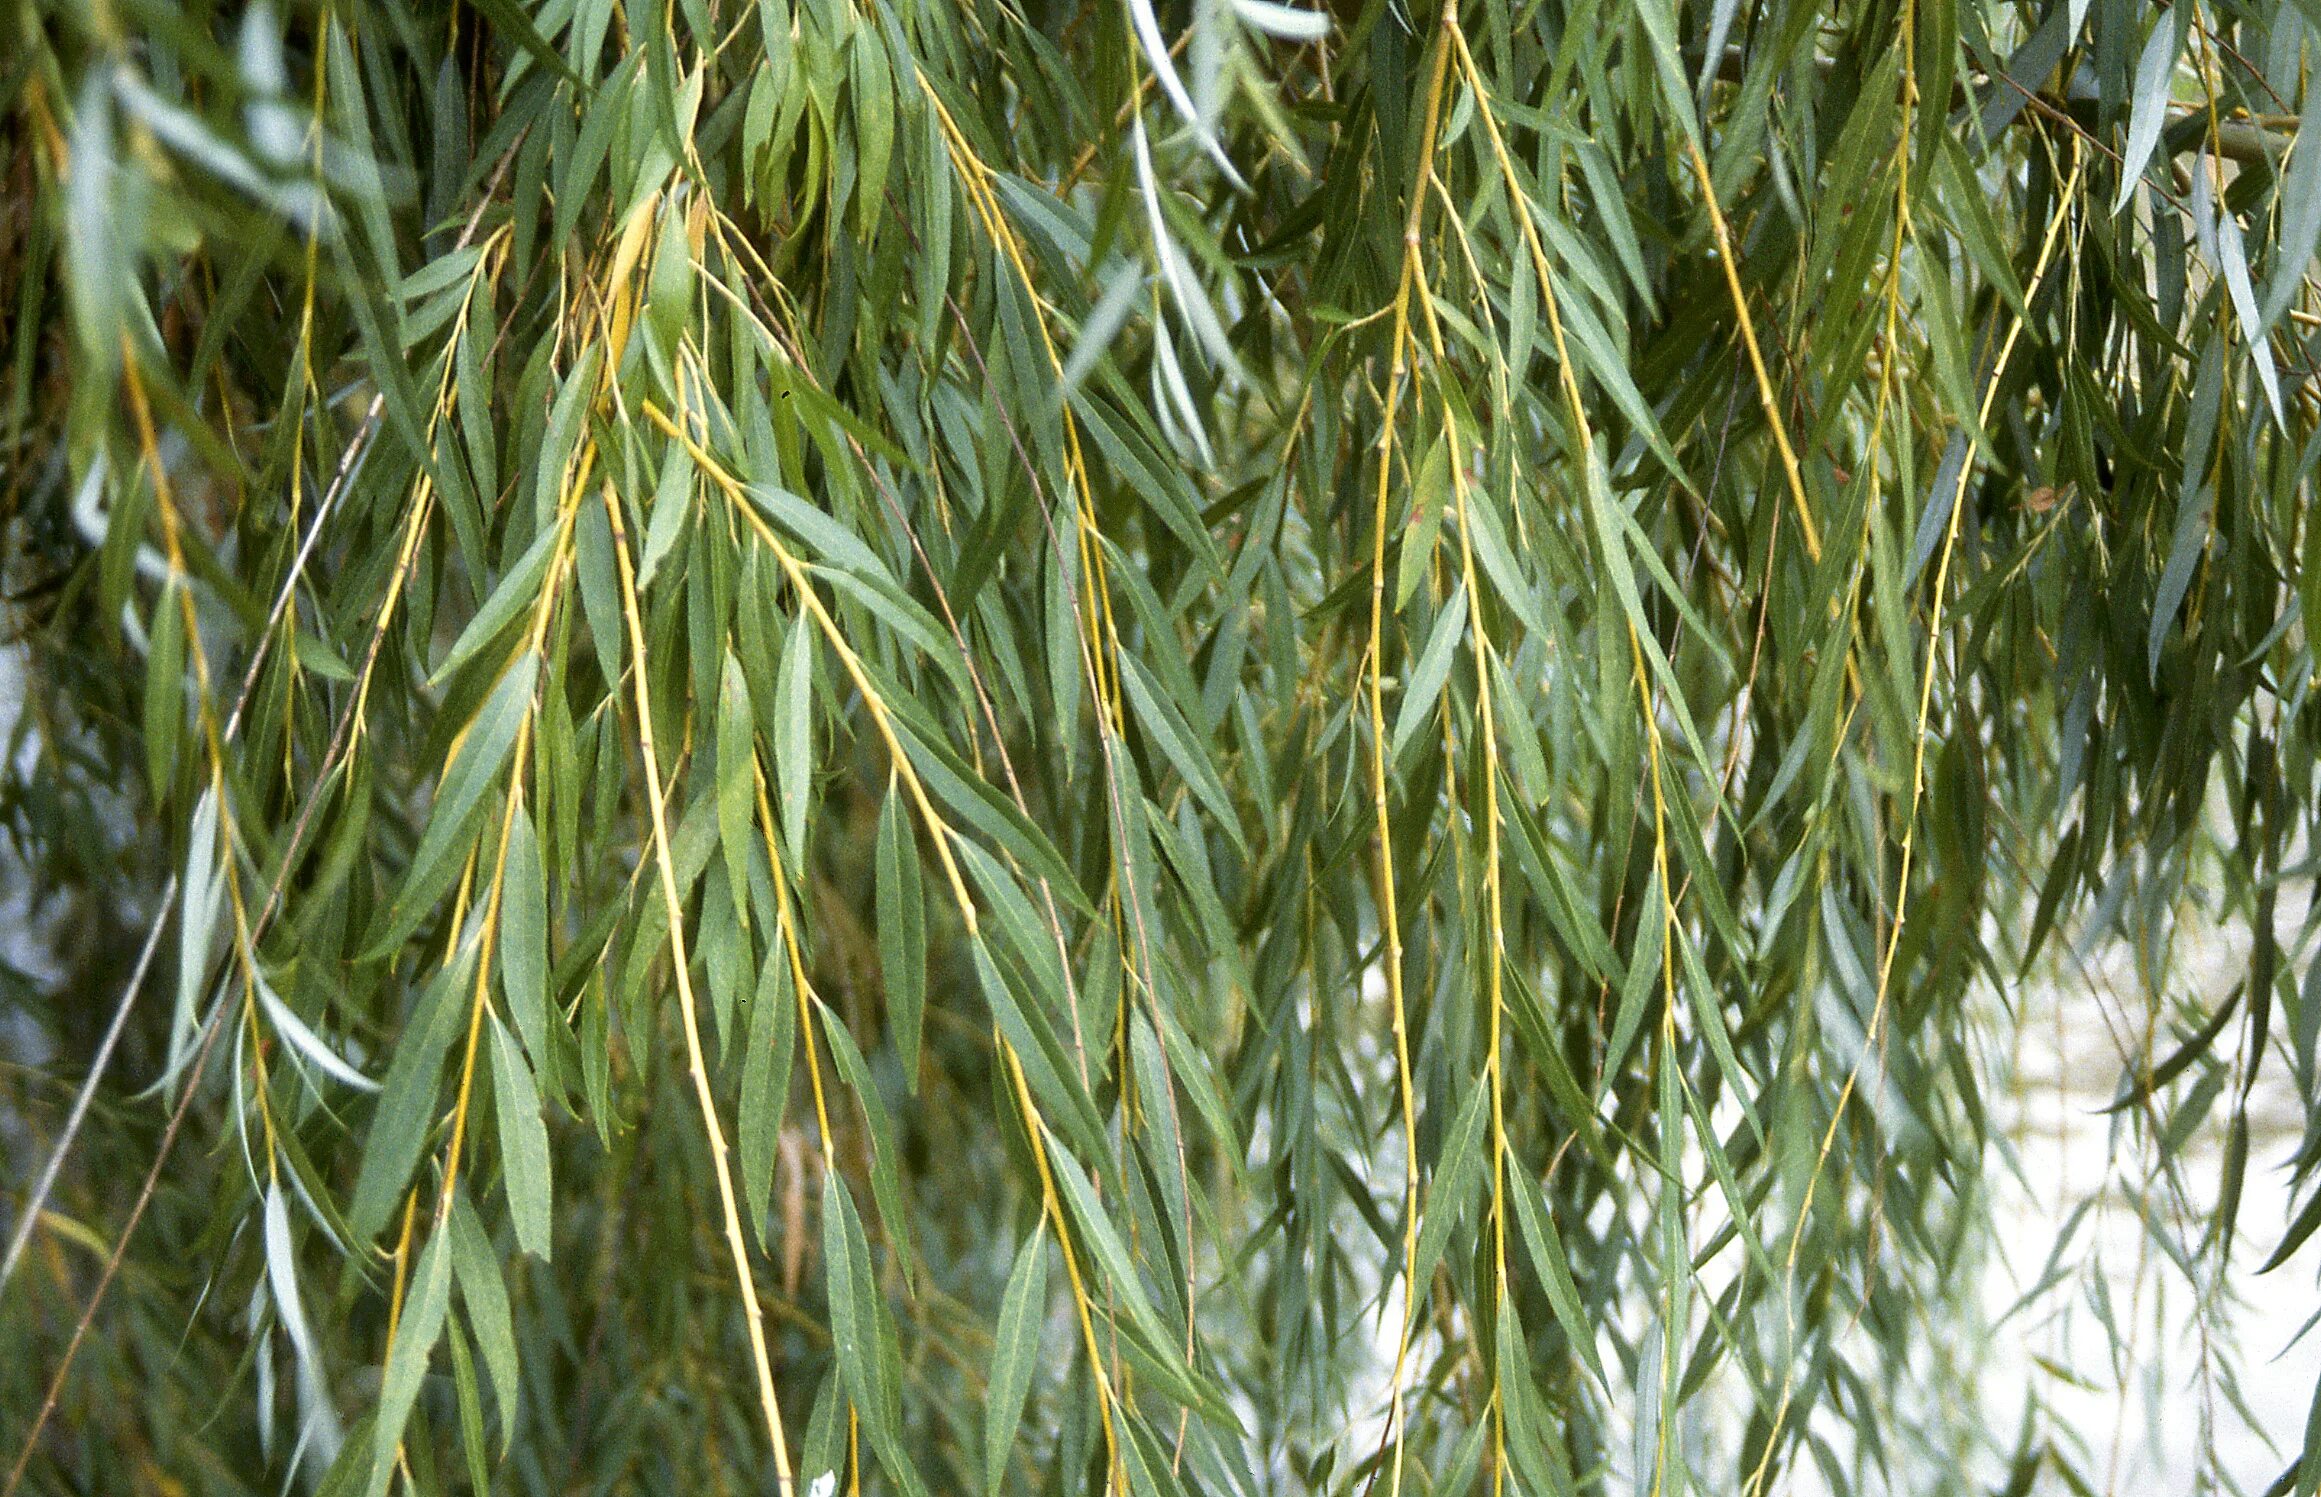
point(736, 781)
point(765, 1086)
point(1105, 1241)
point(1014, 1357)
point(885, 1154)
point(2148, 110)
point(415, 1337)
point(1425, 524)
point(523, 938)
point(1424, 687)
point(451, 826)
point(1176, 741)
point(471, 1410)
point(407, 1097)
point(304, 1040)
point(164, 702)
point(519, 589)
point(794, 744)
point(476, 1269)
point(902, 931)
point(859, 1335)
point(1545, 1246)
point(2185, 548)
point(523, 1144)
point(1450, 1185)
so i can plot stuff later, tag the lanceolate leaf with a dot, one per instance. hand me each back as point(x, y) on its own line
point(483, 1295)
point(767, 1061)
point(1015, 1357)
point(1451, 1185)
point(415, 1338)
point(523, 1144)
point(524, 937)
point(408, 1095)
point(902, 932)
point(736, 778)
point(794, 741)
point(451, 825)
point(859, 1332)
point(2155, 70)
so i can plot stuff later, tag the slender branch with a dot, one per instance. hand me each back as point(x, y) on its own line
point(760, 1363)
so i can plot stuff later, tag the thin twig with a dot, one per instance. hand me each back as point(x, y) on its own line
point(34, 1203)
point(37, 1201)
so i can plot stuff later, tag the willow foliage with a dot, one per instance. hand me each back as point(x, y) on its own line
point(1151, 748)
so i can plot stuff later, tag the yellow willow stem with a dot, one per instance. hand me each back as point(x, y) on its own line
point(1099, 629)
point(1091, 645)
point(1789, 470)
point(938, 830)
point(1038, 1131)
point(1100, 635)
point(1870, 446)
point(1926, 674)
point(1670, 1336)
point(977, 176)
point(422, 508)
point(1491, 883)
point(638, 673)
point(401, 1283)
point(785, 928)
point(786, 346)
point(1874, 1032)
point(1569, 380)
point(1388, 913)
point(479, 1000)
point(1480, 639)
point(165, 503)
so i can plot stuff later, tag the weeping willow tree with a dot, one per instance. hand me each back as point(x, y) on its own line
point(1144, 748)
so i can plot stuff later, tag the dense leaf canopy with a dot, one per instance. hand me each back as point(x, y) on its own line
point(1150, 747)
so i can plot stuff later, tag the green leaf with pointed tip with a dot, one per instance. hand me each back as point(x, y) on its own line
point(872, 87)
point(164, 692)
point(2185, 547)
point(772, 1045)
point(1177, 742)
point(1425, 523)
point(1015, 1355)
point(853, 1305)
point(902, 932)
point(885, 1155)
point(1451, 1185)
point(416, 1333)
point(523, 937)
point(519, 589)
point(794, 739)
point(859, 1334)
point(1104, 1241)
point(1425, 685)
point(471, 1410)
point(523, 1144)
point(1545, 1246)
point(736, 780)
point(407, 1097)
point(2148, 111)
point(451, 825)
point(476, 1270)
